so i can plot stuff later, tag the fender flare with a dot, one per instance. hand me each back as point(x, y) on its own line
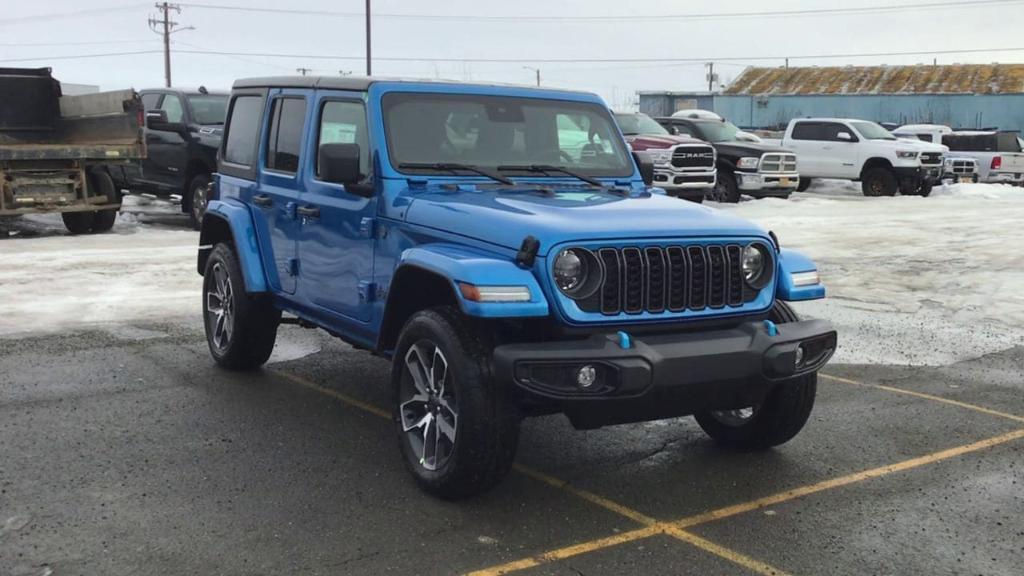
point(793, 262)
point(237, 218)
point(461, 264)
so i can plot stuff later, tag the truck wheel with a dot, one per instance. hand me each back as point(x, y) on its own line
point(197, 200)
point(103, 220)
point(879, 182)
point(925, 189)
point(804, 184)
point(458, 429)
point(240, 328)
point(78, 222)
point(777, 420)
point(726, 189)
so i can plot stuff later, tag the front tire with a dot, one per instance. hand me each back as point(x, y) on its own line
point(879, 182)
point(776, 420)
point(726, 189)
point(457, 428)
point(240, 328)
point(78, 222)
point(804, 184)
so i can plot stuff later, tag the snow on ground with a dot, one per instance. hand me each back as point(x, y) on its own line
point(910, 280)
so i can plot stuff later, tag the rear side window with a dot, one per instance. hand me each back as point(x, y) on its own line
point(243, 130)
point(287, 117)
point(344, 122)
point(807, 131)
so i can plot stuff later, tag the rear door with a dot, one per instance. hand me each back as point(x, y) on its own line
point(806, 140)
point(336, 248)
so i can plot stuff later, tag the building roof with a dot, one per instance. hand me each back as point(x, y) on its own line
point(918, 79)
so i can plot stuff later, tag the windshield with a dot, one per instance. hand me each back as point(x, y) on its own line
point(634, 124)
point(718, 131)
point(872, 131)
point(499, 131)
point(208, 108)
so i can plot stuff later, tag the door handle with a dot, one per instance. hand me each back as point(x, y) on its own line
point(309, 211)
point(262, 200)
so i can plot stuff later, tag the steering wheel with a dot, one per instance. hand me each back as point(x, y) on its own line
point(563, 155)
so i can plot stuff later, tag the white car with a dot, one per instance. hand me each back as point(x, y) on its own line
point(998, 155)
point(860, 150)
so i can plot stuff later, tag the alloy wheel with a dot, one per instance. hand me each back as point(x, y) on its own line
point(220, 306)
point(428, 409)
point(737, 417)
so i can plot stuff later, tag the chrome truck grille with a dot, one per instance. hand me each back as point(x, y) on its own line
point(781, 163)
point(961, 166)
point(658, 279)
point(693, 157)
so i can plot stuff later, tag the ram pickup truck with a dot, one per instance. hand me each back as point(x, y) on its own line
point(863, 151)
point(998, 155)
point(506, 271)
point(955, 167)
point(683, 166)
point(744, 167)
point(54, 149)
point(183, 132)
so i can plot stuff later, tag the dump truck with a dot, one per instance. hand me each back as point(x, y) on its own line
point(55, 150)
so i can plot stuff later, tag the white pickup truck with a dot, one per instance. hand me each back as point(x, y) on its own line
point(859, 150)
point(998, 154)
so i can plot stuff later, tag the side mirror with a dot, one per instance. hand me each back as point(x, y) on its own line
point(845, 136)
point(646, 167)
point(338, 163)
point(157, 120)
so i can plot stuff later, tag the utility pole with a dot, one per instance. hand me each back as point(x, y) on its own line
point(303, 71)
point(165, 27)
point(787, 63)
point(369, 69)
point(711, 76)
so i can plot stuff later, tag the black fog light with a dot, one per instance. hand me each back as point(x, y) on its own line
point(586, 376)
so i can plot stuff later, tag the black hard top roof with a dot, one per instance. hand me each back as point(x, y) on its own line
point(357, 83)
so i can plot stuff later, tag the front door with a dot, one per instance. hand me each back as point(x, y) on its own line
point(336, 247)
point(167, 152)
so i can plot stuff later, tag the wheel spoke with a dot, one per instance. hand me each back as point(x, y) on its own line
point(446, 428)
point(411, 410)
point(429, 455)
point(439, 371)
point(213, 302)
point(418, 370)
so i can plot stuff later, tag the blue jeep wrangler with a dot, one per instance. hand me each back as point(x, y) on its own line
point(503, 248)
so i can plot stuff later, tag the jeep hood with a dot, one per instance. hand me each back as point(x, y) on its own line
point(570, 215)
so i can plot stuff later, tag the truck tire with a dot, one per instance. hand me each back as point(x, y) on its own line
point(804, 184)
point(457, 428)
point(726, 189)
point(925, 189)
point(78, 222)
point(103, 220)
point(777, 420)
point(197, 200)
point(879, 182)
point(240, 328)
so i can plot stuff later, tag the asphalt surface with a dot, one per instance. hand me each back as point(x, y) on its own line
point(128, 452)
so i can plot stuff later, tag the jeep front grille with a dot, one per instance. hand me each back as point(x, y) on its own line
point(693, 157)
point(781, 163)
point(659, 279)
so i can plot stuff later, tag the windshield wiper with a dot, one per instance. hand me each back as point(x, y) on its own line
point(455, 167)
point(544, 168)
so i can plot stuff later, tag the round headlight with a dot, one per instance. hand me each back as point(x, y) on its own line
point(570, 270)
point(755, 265)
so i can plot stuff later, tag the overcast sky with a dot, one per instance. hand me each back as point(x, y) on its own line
point(24, 35)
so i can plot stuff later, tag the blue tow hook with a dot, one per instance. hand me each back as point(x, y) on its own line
point(625, 342)
point(772, 329)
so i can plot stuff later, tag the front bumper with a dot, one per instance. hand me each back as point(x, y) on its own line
point(768, 183)
point(665, 375)
point(672, 179)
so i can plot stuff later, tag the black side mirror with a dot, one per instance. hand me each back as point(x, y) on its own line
point(157, 120)
point(338, 163)
point(646, 167)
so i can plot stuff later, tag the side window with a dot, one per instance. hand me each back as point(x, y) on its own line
point(287, 117)
point(807, 131)
point(149, 100)
point(830, 131)
point(344, 122)
point(924, 137)
point(683, 130)
point(243, 130)
point(172, 105)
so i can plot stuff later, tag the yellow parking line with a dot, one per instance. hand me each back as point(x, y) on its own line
point(934, 398)
point(365, 406)
point(586, 495)
point(747, 562)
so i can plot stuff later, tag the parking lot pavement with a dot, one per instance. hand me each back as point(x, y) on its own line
point(129, 452)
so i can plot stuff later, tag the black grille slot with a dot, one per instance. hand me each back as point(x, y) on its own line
point(633, 266)
point(698, 277)
point(676, 278)
point(658, 279)
point(656, 270)
point(611, 300)
point(735, 259)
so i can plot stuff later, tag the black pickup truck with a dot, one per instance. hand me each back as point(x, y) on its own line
point(744, 167)
point(183, 132)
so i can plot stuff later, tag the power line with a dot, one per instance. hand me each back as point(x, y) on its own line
point(87, 43)
point(79, 56)
point(619, 18)
point(68, 14)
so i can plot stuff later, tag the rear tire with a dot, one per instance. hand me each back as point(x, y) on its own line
point(777, 420)
point(726, 189)
point(458, 429)
point(103, 184)
point(925, 189)
point(804, 184)
point(78, 222)
point(197, 199)
point(240, 328)
point(879, 182)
